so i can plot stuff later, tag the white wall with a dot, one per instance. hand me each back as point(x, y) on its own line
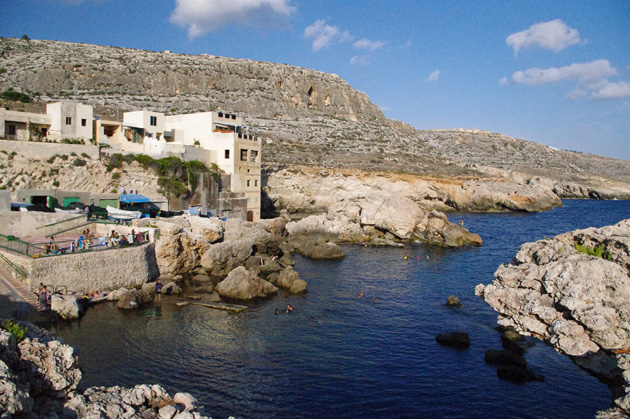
point(81, 123)
point(142, 119)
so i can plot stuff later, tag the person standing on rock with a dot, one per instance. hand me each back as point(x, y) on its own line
point(43, 296)
point(158, 290)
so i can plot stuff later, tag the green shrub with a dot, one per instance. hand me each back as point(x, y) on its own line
point(14, 96)
point(52, 159)
point(79, 162)
point(15, 329)
point(116, 175)
point(55, 183)
point(63, 157)
point(599, 251)
point(86, 155)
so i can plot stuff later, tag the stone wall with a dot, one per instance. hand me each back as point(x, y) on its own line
point(103, 270)
point(45, 150)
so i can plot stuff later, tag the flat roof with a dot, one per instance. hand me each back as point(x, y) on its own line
point(133, 198)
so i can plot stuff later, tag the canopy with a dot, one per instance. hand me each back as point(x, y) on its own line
point(133, 198)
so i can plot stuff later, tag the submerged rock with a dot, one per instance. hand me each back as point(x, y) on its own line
point(458, 340)
point(517, 375)
point(504, 357)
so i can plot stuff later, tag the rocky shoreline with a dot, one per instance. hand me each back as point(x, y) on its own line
point(573, 291)
point(39, 377)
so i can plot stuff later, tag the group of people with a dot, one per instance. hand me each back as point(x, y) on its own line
point(83, 242)
point(116, 239)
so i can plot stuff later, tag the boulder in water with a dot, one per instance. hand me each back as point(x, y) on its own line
point(517, 375)
point(459, 340)
point(453, 301)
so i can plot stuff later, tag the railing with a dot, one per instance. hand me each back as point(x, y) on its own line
point(16, 268)
point(22, 247)
point(64, 225)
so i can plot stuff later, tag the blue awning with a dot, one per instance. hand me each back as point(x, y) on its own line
point(133, 198)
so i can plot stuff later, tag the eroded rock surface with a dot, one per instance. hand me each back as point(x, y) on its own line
point(39, 378)
point(577, 302)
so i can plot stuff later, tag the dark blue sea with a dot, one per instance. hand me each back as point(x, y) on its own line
point(344, 356)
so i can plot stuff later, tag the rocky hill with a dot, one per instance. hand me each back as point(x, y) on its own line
point(307, 117)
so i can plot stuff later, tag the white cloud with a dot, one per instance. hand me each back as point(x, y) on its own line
point(591, 74)
point(202, 16)
point(590, 77)
point(433, 77)
point(369, 45)
point(554, 35)
point(613, 91)
point(503, 80)
point(363, 60)
point(324, 35)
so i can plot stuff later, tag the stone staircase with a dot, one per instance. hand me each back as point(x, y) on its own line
point(20, 288)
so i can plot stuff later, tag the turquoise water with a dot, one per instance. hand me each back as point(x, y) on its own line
point(342, 355)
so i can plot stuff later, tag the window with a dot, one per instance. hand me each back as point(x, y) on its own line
point(84, 122)
point(153, 121)
point(68, 120)
point(11, 130)
point(248, 183)
point(254, 155)
point(243, 154)
point(255, 182)
point(227, 154)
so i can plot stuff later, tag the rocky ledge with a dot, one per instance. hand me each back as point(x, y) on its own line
point(573, 291)
point(39, 377)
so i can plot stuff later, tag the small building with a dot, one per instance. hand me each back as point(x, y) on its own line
point(56, 197)
point(62, 120)
point(70, 120)
point(24, 126)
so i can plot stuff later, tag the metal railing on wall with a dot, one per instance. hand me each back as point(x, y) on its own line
point(13, 266)
point(64, 225)
point(21, 247)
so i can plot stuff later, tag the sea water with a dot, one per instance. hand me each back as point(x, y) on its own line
point(343, 355)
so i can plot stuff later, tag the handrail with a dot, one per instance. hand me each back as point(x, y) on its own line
point(61, 222)
point(16, 245)
point(13, 265)
point(50, 230)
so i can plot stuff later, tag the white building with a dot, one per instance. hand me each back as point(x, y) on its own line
point(70, 120)
point(62, 120)
point(234, 148)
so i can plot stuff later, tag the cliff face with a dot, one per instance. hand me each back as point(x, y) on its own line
point(306, 117)
point(166, 82)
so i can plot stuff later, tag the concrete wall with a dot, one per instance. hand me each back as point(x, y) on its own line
point(44, 150)
point(5, 201)
point(105, 270)
point(24, 224)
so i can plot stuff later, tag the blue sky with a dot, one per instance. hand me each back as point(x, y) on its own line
point(555, 72)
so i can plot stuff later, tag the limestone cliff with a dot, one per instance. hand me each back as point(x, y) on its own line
point(305, 116)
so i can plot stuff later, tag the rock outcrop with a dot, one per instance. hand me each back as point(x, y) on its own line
point(39, 377)
point(241, 285)
point(358, 208)
point(580, 303)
